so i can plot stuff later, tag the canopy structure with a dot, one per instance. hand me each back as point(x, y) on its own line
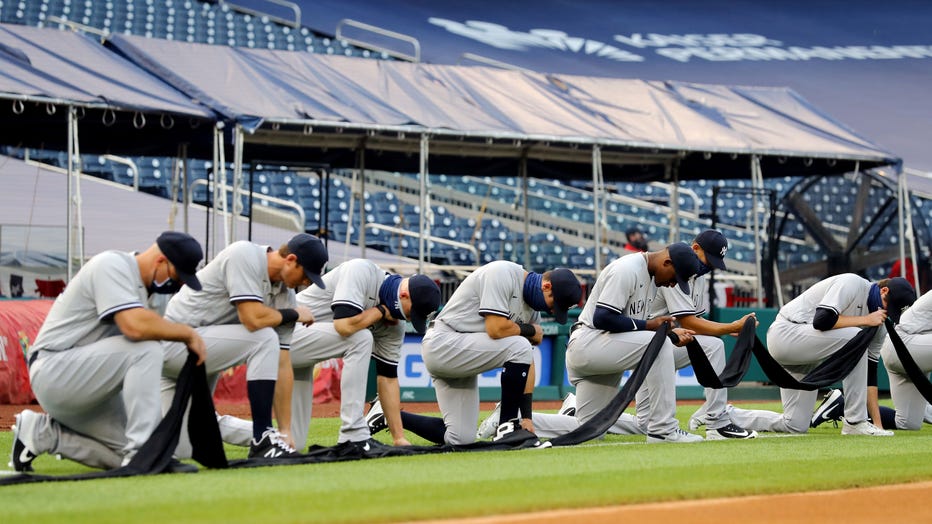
point(337, 106)
point(866, 63)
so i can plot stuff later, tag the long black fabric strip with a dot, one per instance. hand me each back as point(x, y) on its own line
point(920, 379)
point(154, 456)
point(831, 370)
point(735, 368)
point(599, 424)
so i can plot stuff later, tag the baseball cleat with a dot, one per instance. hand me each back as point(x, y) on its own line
point(270, 446)
point(512, 432)
point(490, 424)
point(569, 405)
point(731, 431)
point(832, 408)
point(21, 457)
point(677, 436)
point(696, 422)
point(864, 428)
point(375, 419)
point(363, 448)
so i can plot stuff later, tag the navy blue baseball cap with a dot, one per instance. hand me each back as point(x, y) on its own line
point(714, 245)
point(312, 255)
point(900, 295)
point(425, 300)
point(566, 292)
point(184, 252)
point(685, 263)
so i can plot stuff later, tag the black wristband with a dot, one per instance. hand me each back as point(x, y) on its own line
point(384, 310)
point(289, 316)
point(527, 330)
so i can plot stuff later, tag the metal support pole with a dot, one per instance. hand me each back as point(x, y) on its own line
point(425, 142)
point(597, 190)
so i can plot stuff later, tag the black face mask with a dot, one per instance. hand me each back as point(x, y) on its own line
point(168, 287)
point(165, 287)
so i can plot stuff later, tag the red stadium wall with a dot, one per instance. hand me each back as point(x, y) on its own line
point(20, 321)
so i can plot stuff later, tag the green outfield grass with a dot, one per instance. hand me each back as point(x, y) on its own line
point(616, 470)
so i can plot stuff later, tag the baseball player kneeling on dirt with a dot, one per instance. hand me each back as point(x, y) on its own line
point(96, 362)
point(491, 321)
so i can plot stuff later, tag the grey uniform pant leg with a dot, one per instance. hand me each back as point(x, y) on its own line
point(799, 348)
point(454, 361)
point(105, 392)
point(910, 405)
point(317, 343)
point(228, 345)
point(716, 400)
point(552, 425)
point(596, 361)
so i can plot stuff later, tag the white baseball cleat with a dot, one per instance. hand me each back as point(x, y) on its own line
point(676, 436)
point(375, 419)
point(569, 405)
point(864, 428)
point(490, 424)
point(21, 456)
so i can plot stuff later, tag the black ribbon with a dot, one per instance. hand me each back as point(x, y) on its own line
point(603, 420)
point(920, 379)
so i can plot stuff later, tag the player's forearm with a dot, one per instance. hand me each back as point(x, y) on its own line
point(704, 326)
point(142, 324)
point(348, 326)
point(390, 396)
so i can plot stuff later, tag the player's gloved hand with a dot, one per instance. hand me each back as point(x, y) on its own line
point(197, 346)
point(655, 323)
point(305, 316)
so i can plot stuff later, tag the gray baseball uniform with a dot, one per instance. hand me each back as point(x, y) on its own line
point(354, 283)
point(799, 347)
point(597, 359)
point(672, 301)
point(457, 348)
point(99, 389)
point(239, 272)
point(915, 328)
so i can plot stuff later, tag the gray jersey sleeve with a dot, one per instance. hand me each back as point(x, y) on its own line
point(244, 273)
point(918, 318)
point(83, 313)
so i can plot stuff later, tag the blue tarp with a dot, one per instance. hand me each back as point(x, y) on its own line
point(867, 63)
point(52, 65)
point(287, 86)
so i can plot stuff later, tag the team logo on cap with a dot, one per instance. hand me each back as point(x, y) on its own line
point(724, 250)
